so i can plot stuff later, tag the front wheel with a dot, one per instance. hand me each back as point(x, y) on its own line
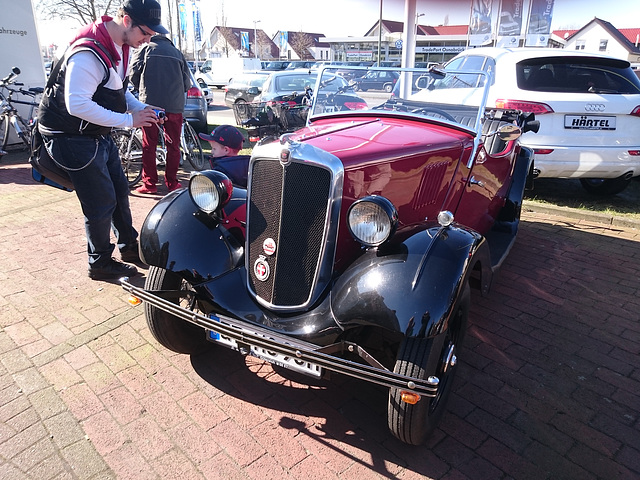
point(171, 332)
point(603, 187)
point(423, 358)
point(192, 149)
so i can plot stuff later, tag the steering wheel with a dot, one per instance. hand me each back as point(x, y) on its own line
point(437, 111)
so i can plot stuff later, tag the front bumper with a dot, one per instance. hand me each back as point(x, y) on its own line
point(248, 334)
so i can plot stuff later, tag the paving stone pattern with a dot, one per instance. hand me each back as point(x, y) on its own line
point(548, 384)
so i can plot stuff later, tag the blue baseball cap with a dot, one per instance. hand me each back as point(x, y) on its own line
point(225, 135)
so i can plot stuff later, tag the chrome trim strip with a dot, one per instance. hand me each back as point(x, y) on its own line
point(243, 332)
point(300, 152)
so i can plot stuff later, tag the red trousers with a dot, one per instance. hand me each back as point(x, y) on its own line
point(172, 129)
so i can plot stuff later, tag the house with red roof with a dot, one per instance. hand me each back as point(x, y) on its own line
point(600, 36)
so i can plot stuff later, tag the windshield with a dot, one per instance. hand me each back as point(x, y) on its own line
point(448, 96)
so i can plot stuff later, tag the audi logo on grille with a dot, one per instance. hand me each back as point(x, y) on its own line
point(594, 107)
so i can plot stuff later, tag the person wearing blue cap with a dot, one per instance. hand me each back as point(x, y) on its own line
point(226, 142)
point(88, 96)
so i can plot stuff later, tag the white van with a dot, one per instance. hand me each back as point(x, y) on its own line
point(216, 72)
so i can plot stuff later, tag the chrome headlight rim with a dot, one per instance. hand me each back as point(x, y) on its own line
point(210, 190)
point(384, 222)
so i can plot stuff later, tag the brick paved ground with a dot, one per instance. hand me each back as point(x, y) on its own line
point(548, 386)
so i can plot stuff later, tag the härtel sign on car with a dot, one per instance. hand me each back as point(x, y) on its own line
point(581, 122)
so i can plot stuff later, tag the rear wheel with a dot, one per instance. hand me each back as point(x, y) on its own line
point(422, 358)
point(130, 150)
point(602, 186)
point(171, 332)
point(192, 149)
point(388, 88)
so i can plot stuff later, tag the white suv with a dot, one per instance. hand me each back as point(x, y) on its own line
point(588, 106)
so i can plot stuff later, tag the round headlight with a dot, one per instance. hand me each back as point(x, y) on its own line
point(372, 220)
point(210, 190)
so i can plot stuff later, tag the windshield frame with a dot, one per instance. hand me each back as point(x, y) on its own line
point(421, 76)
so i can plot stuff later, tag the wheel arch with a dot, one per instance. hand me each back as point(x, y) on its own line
point(412, 288)
point(175, 233)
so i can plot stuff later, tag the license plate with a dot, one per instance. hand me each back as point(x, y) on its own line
point(590, 122)
point(288, 362)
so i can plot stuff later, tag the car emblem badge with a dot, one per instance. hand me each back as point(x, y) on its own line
point(594, 107)
point(269, 246)
point(261, 269)
point(285, 156)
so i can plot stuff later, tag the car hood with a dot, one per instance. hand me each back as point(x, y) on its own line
point(362, 140)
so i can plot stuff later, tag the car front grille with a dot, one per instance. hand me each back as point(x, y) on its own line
point(288, 224)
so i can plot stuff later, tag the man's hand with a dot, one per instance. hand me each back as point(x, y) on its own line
point(144, 118)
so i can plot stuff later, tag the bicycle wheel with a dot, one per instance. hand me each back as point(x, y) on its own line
point(130, 149)
point(192, 149)
point(24, 131)
point(4, 134)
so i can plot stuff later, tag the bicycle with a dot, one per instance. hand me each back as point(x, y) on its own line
point(129, 141)
point(9, 116)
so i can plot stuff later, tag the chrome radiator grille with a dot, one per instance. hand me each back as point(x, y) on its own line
point(287, 225)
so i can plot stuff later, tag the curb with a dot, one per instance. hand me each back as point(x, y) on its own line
point(595, 217)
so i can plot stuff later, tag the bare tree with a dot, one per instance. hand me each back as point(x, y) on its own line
point(84, 11)
point(301, 43)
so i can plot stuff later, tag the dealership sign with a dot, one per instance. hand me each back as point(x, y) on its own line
point(441, 49)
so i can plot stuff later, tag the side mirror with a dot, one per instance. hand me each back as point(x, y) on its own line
point(253, 90)
point(425, 82)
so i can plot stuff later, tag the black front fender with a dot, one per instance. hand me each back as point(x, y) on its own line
point(410, 288)
point(178, 237)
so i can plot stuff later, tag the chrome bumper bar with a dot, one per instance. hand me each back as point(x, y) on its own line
point(245, 333)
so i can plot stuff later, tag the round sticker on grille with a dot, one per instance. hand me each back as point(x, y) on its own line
point(261, 269)
point(269, 246)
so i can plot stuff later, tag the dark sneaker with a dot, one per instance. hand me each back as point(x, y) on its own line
point(130, 253)
point(113, 269)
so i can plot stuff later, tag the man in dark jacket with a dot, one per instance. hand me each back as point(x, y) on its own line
point(161, 75)
point(89, 97)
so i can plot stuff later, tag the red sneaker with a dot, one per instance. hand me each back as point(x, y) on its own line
point(174, 186)
point(146, 190)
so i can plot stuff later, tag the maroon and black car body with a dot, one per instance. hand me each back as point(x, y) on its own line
point(355, 245)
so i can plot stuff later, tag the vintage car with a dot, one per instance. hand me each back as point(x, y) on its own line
point(353, 248)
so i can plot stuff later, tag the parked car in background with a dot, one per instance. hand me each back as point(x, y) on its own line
point(193, 66)
point(217, 72)
point(291, 85)
point(196, 106)
point(376, 80)
point(206, 92)
point(588, 106)
point(300, 64)
point(353, 249)
point(276, 65)
point(244, 88)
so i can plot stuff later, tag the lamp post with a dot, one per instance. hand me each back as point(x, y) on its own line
point(380, 36)
point(256, 54)
point(418, 15)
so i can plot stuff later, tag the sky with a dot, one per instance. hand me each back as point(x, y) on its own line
point(339, 18)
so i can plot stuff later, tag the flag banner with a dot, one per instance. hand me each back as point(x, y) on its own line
point(480, 22)
point(182, 16)
point(197, 24)
point(244, 40)
point(539, 26)
point(284, 40)
point(509, 23)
